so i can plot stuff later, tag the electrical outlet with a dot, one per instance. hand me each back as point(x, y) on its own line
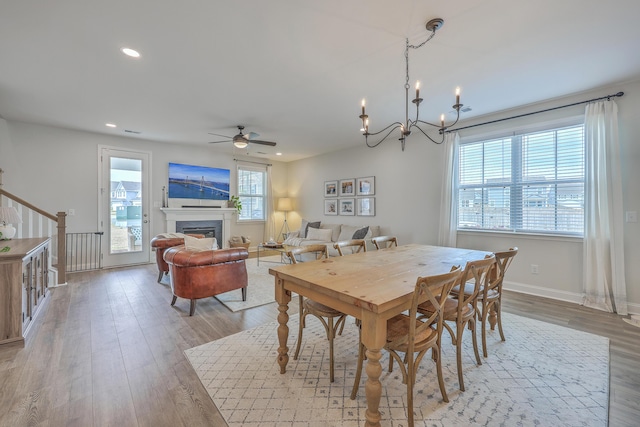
point(632, 216)
point(534, 269)
point(72, 212)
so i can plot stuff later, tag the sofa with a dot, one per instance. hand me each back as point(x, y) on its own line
point(319, 233)
point(197, 273)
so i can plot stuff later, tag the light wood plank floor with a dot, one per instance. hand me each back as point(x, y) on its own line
point(108, 350)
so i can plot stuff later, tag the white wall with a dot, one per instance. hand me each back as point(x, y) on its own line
point(407, 186)
point(408, 197)
point(57, 170)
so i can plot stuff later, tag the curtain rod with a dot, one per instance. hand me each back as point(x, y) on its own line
point(608, 98)
point(256, 163)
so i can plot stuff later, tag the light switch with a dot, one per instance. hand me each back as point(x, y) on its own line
point(632, 216)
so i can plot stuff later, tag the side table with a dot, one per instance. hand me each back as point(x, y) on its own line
point(272, 247)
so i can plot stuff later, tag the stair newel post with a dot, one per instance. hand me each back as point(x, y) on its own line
point(62, 248)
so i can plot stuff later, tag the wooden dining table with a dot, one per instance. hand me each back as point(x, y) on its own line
point(371, 286)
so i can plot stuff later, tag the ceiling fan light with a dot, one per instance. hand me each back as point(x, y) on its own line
point(240, 143)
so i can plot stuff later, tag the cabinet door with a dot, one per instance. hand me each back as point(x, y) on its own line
point(27, 308)
point(45, 270)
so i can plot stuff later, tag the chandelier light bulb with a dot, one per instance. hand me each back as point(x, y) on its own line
point(458, 95)
point(417, 89)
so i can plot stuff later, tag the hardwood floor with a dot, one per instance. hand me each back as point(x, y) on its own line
point(108, 350)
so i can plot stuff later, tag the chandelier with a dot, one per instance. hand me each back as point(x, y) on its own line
point(405, 128)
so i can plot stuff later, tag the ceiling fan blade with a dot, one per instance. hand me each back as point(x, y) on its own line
point(216, 142)
point(257, 141)
point(217, 134)
point(251, 135)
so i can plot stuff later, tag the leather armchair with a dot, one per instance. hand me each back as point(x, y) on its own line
point(161, 243)
point(202, 274)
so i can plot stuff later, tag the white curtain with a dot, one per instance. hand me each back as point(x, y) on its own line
point(603, 254)
point(448, 206)
point(269, 225)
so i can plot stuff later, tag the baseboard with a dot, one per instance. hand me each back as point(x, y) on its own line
point(556, 294)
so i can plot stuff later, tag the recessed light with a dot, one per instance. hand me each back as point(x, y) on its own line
point(130, 52)
point(278, 154)
point(110, 125)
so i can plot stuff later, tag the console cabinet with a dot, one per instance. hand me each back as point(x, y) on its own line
point(24, 280)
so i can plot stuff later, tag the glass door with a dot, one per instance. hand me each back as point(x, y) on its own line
point(124, 207)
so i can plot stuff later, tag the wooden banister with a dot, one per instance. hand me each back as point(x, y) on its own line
point(28, 205)
point(59, 219)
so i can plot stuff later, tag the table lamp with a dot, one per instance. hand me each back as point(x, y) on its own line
point(284, 205)
point(8, 215)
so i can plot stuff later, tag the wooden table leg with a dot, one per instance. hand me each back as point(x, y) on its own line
point(282, 297)
point(374, 332)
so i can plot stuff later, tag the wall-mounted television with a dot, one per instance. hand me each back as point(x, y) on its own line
point(198, 182)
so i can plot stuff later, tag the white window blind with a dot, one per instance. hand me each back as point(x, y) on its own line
point(529, 183)
point(252, 190)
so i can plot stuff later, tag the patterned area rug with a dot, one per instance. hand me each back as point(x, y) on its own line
point(543, 375)
point(261, 286)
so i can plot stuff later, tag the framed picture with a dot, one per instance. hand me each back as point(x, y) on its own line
point(367, 206)
point(347, 187)
point(347, 207)
point(366, 186)
point(331, 189)
point(331, 207)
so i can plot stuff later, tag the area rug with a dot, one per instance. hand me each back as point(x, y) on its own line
point(543, 375)
point(261, 285)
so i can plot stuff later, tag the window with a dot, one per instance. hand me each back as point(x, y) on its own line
point(252, 190)
point(528, 183)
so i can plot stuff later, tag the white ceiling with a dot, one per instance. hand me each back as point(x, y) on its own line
point(296, 71)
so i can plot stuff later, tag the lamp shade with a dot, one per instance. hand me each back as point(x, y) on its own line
point(9, 215)
point(284, 204)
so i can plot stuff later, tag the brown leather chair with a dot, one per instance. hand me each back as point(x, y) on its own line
point(202, 274)
point(162, 242)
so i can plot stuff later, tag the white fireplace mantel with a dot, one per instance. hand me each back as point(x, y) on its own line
point(201, 214)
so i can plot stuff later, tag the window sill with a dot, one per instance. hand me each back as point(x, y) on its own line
point(526, 236)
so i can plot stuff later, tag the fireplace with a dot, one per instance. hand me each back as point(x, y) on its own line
point(214, 220)
point(208, 228)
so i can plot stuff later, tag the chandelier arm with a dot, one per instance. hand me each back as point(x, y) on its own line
point(432, 140)
point(392, 125)
point(366, 135)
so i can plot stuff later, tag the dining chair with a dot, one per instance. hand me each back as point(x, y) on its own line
point(356, 245)
point(334, 318)
point(417, 333)
point(462, 310)
point(382, 242)
point(489, 299)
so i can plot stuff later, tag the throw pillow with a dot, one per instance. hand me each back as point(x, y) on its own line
point(359, 234)
point(347, 231)
point(304, 226)
point(313, 225)
point(321, 234)
point(195, 244)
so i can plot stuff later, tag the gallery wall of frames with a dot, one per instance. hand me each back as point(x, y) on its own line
point(351, 196)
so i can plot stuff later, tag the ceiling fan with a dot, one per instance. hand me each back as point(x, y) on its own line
point(241, 140)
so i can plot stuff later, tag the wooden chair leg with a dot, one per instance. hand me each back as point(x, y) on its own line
point(356, 382)
point(300, 328)
point(173, 300)
point(483, 325)
point(192, 307)
point(498, 309)
point(331, 333)
point(474, 339)
point(459, 332)
point(440, 377)
point(160, 276)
